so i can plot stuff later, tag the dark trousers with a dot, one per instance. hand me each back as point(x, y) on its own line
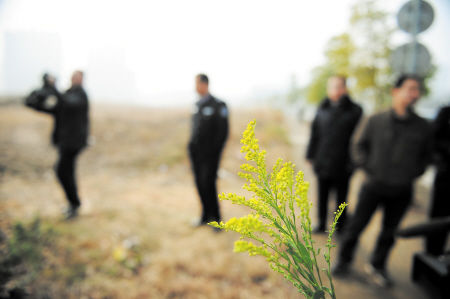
point(395, 201)
point(326, 185)
point(440, 207)
point(65, 171)
point(205, 172)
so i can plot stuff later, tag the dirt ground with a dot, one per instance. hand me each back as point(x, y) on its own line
point(133, 238)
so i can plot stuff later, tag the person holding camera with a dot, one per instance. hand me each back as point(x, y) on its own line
point(70, 132)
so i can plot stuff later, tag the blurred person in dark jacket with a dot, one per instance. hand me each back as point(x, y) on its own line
point(70, 112)
point(393, 149)
point(208, 137)
point(440, 204)
point(329, 147)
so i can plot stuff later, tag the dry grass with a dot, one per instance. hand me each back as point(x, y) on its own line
point(137, 193)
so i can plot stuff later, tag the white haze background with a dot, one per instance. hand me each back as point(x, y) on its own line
point(148, 52)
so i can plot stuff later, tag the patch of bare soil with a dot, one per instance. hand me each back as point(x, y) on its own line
point(133, 238)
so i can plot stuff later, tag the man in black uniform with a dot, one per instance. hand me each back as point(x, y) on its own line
point(70, 132)
point(209, 133)
point(329, 147)
point(440, 204)
point(394, 149)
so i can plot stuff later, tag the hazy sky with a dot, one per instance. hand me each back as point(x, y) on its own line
point(248, 48)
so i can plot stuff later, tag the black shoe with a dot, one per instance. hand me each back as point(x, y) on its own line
point(71, 212)
point(198, 222)
point(318, 229)
point(216, 229)
point(379, 276)
point(341, 269)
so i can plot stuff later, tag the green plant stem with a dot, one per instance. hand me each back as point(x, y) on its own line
point(296, 241)
point(315, 258)
point(303, 272)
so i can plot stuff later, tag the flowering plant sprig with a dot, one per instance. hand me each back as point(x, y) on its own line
point(280, 221)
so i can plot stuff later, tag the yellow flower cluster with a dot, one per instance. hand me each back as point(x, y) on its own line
point(257, 205)
point(286, 236)
point(252, 249)
point(301, 197)
point(284, 177)
point(250, 148)
point(246, 225)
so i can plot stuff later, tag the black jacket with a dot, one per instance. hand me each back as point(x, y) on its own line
point(71, 115)
point(331, 132)
point(394, 151)
point(209, 127)
point(442, 139)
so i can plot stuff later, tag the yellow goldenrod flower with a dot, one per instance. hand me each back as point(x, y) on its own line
point(277, 198)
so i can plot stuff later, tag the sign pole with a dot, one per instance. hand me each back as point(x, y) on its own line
point(417, 11)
